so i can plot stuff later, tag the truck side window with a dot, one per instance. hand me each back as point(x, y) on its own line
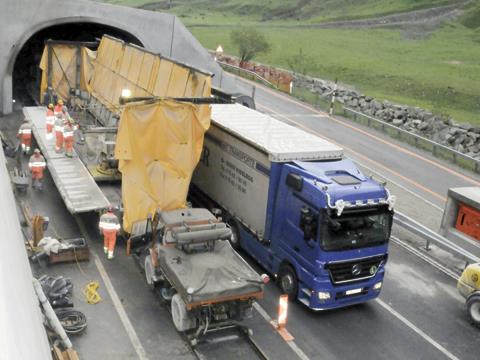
point(308, 223)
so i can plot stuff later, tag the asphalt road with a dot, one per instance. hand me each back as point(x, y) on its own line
point(419, 314)
point(405, 165)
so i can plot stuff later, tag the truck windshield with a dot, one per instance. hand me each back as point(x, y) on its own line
point(355, 230)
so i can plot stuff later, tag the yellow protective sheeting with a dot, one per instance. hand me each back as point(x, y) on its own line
point(121, 66)
point(158, 146)
point(64, 64)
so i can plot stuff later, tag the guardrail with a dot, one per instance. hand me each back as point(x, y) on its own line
point(438, 150)
point(248, 73)
point(431, 236)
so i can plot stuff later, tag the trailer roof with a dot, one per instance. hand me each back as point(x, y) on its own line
point(282, 142)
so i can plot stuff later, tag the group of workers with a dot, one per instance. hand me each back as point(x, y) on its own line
point(59, 123)
point(57, 120)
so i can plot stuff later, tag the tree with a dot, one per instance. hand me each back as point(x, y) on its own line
point(250, 42)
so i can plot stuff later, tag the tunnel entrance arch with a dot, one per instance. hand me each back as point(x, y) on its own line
point(24, 71)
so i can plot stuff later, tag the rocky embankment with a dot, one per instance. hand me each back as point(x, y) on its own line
point(463, 137)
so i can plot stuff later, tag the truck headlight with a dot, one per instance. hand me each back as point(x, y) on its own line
point(323, 295)
point(377, 286)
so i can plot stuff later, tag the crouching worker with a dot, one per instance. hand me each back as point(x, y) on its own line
point(37, 166)
point(109, 227)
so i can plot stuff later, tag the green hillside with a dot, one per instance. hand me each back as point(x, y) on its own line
point(309, 11)
point(435, 68)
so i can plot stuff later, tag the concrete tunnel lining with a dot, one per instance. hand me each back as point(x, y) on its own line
point(159, 33)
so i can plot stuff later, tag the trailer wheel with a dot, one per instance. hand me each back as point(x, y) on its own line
point(235, 238)
point(473, 308)
point(149, 272)
point(288, 282)
point(180, 317)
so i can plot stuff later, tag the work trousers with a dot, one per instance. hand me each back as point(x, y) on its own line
point(68, 142)
point(59, 140)
point(49, 129)
point(109, 239)
point(26, 142)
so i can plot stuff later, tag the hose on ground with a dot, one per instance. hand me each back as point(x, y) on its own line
point(73, 321)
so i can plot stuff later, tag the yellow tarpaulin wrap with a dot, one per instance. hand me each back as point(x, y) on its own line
point(158, 147)
point(121, 66)
point(64, 64)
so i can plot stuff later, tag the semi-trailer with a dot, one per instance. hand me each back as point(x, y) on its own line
point(295, 204)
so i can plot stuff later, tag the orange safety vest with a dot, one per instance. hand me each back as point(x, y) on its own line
point(109, 223)
point(50, 117)
point(37, 163)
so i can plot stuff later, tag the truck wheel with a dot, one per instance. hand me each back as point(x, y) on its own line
point(180, 317)
point(473, 308)
point(287, 279)
point(149, 271)
point(235, 238)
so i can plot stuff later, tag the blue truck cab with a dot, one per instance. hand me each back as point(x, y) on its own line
point(308, 215)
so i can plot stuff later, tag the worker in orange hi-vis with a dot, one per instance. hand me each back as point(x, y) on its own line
point(58, 127)
point(37, 166)
point(60, 108)
point(25, 136)
point(109, 226)
point(49, 122)
point(69, 128)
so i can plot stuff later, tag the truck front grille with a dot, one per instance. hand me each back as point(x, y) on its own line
point(355, 270)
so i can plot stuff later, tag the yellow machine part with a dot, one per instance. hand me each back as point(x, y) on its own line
point(470, 280)
point(158, 146)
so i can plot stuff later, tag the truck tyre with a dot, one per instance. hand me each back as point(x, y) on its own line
point(235, 238)
point(149, 271)
point(180, 317)
point(473, 308)
point(288, 282)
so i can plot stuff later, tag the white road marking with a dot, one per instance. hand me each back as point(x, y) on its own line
point(427, 338)
point(120, 310)
point(400, 186)
point(292, 344)
point(130, 330)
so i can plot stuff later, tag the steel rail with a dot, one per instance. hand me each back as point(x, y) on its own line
point(431, 236)
point(436, 148)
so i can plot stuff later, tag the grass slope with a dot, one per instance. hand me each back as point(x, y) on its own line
point(440, 72)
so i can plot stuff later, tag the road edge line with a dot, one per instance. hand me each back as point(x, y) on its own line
point(416, 329)
point(299, 352)
point(130, 330)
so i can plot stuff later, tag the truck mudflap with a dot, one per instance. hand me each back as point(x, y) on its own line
point(209, 277)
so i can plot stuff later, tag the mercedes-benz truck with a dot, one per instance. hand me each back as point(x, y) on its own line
point(298, 207)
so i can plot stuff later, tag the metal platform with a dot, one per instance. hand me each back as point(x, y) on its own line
point(78, 189)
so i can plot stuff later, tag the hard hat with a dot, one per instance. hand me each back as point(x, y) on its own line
point(36, 151)
point(60, 101)
point(50, 106)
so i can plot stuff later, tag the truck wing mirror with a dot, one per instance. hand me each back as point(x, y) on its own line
point(295, 181)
